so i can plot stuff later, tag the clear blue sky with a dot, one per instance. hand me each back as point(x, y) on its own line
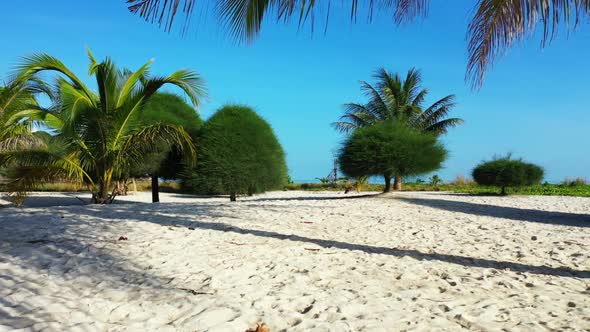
point(535, 103)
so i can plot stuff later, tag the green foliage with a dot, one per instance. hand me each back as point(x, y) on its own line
point(466, 188)
point(239, 154)
point(388, 149)
point(399, 99)
point(540, 189)
point(97, 135)
point(323, 180)
point(166, 160)
point(506, 172)
point(435, 180)
point(577, 182)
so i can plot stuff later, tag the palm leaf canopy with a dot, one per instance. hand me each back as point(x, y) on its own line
point(494, 27)
point(394, 98)
point(15, 97)
point(98, 135)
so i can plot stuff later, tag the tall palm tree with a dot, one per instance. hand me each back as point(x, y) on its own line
point(97, 136)
point(399, 99)
point(495, 26)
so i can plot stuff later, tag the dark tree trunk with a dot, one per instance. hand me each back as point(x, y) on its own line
point(503, 190)
point(387, 184)
point(155, 189)
point(232, 197)
point(101, 196)
point(397, 183)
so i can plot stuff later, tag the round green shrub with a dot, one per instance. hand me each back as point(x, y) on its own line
point(170, 109)
point(390, 149)
point(238, 153)
point(506, 172)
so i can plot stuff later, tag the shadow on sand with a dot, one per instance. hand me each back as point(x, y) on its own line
point(518, 214)
point(43, 246)
point(314, 198)
point(188, 215)
point(24, 247)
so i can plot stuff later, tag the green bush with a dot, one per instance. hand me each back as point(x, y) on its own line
point(165, 161)
point(390, 149)
point(506, 172)
point(238, 153)
point(577, 182)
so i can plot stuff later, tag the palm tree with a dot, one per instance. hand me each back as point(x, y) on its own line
point(17, 96)
point(96, 136)
point(495, 26)
point(394, 98)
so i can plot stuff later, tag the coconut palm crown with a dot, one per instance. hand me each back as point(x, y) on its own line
point(96, 135)
point(399, 99)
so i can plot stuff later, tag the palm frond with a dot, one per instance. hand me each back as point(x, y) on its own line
point(412, 85)
point(355, 116)
point(441, 108)
point(441, 127)
point(37, 63)
point(497, 24)
point(131, 82)
point(243, 18)
point(147, 139)
point(190, 82)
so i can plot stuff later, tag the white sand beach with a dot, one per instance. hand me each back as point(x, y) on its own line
point(297, 261)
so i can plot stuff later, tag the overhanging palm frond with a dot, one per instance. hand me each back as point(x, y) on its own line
point(243, 18)
point(497, 24)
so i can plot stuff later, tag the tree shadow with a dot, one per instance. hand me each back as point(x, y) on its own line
point(51, 247)
point(518, 214)
point(186, 215)
point(37, 250)
point(312, 198)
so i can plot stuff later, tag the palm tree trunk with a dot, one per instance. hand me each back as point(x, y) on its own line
point(397, 183)
point(100, 197)
point(387, 184)
point(155, 189)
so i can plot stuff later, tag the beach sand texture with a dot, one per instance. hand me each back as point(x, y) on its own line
point(298, 261)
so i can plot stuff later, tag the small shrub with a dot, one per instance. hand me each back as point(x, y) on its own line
point(506, 172)
point(435, 180)
point(577, 182)
point(462, 181)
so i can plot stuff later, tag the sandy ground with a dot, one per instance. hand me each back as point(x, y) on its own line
point(298, 261)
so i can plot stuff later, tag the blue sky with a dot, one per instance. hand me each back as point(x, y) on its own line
point(534, 102)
